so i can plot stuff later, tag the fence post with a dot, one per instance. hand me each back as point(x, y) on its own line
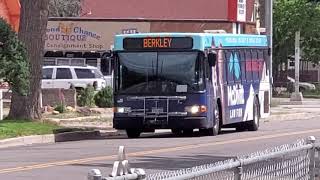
point(238, 172)
point(1, 104)
point(312, 140)
point(317, 161)
point(95, 174)
point(121, 170)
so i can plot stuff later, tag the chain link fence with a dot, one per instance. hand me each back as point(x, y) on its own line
point(286, 162)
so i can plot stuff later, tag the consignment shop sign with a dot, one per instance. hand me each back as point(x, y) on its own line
point(86, 35)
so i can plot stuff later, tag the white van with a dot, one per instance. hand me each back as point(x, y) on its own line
point(65, 77)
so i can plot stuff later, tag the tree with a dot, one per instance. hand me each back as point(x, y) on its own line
point(33, 24)
point(289, 17)
point(13, 62)
point(63, 8)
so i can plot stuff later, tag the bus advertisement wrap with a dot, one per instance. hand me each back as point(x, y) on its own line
point(187, 81)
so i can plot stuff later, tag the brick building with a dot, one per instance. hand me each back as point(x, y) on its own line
point(234, 16)
point(100, 20)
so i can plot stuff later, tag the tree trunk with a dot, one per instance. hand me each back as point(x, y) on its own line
point(33, 25)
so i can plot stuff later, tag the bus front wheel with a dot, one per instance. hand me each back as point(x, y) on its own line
point(217, 116)
point(133, 133)
point(176, 132)
point(215, 130)
point(187, 132)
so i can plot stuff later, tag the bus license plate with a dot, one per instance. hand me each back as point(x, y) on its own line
point(157, 122)
point(157, 110)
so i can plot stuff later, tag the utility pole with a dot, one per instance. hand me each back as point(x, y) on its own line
point(297, 96)
point(268, 22)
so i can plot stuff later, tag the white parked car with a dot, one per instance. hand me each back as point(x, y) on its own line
point(65, 77)
point(302, 85)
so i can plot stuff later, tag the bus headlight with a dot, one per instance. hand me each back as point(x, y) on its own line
point(122, 109)
point(196, 109)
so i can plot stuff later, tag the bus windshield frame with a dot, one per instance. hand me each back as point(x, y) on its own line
point(158, 72)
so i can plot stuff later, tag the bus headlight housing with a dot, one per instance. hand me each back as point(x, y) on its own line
point(195, 109)
point(122, 109)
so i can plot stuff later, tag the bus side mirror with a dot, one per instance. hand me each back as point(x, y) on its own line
point(212, 59)
point(107, 55)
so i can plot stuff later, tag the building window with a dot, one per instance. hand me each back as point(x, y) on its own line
point(256, 11)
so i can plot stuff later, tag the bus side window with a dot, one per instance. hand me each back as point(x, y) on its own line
point(255, 65)
point(229, 66)
point(222, 66)
point(208, 70)
point(242, 60)
point(237, 64)
point(248, 66)
point(202, 71)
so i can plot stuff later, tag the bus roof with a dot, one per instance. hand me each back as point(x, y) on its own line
point(201, 41)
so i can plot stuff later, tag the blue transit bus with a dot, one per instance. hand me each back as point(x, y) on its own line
point(188, 81)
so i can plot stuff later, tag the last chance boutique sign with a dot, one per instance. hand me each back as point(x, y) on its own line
point(73, 35)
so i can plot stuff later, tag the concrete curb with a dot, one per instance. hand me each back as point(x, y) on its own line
point(59, 137)
point(76, 119)
point(27, 140)
point(76, 136)
point(290, 117)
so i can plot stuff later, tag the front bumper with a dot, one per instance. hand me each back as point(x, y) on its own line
point(164, 123)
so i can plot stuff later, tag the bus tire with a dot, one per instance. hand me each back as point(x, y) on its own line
point(215, 130)
point(133, 133)
point(188, 132)
point(206, 132)
point(241, 127)
point(217, 118)
point(176, 132)
point(254, 124)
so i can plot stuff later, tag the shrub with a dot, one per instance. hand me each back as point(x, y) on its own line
point(14, 66)
point(61, 108)
point(86, 97)
point(104, 98)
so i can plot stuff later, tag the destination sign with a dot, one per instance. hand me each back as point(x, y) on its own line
point(158, 43)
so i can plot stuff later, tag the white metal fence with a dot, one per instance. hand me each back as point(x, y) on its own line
point(286, 162)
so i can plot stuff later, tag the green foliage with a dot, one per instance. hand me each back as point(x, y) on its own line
point(86, 97)
point(61, 108)
point(14, 128)
point(13, 60)
point(291, 16)
point(104, 98)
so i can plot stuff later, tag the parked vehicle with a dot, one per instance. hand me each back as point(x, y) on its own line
point(72, 76)
point(302, 85)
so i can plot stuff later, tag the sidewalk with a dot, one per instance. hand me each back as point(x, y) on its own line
point(288, 111)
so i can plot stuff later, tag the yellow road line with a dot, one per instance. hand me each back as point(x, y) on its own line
point(149, 152)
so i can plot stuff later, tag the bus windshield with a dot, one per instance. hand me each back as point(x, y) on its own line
point(158, 72)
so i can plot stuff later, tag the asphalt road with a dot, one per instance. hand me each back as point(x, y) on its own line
point(153, 152)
